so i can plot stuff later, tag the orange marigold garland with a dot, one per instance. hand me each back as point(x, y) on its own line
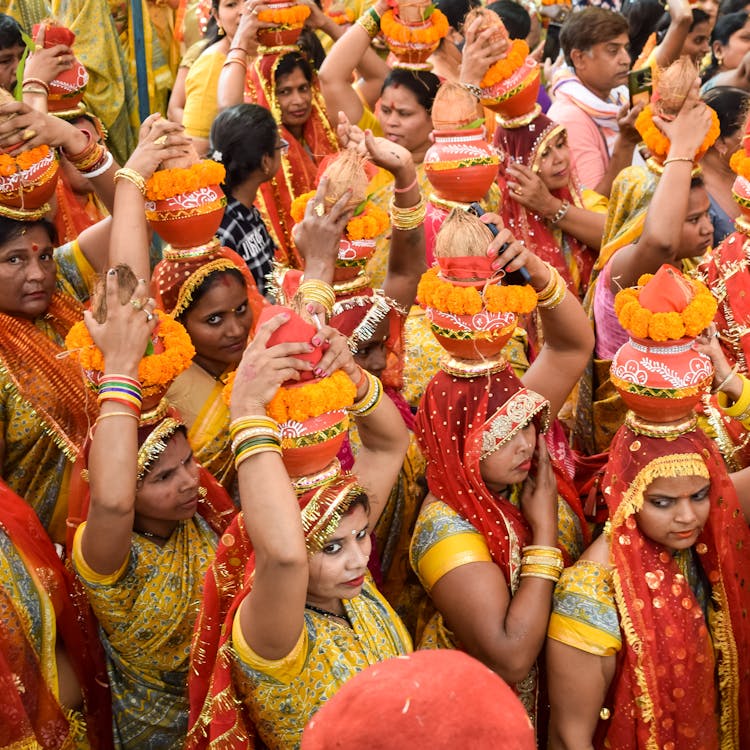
point(642, 323)
point(467, 300)
point(155, 370)
point(658, 144)
point(366, 225)
point(167, 183)
point(740, 164)
point(504, 69)
point(302, 402)
point(289, 17)
point(394, 29)
point(9, 165)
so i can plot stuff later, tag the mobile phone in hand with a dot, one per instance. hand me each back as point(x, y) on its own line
point(639, 86)
point(514, 278)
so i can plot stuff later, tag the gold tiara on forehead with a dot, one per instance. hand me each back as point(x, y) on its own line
point(513, 416)
point(154, 445)
point(322, 515)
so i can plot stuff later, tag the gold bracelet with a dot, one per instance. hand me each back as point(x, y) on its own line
point(409, 218)
point(541, 549)
point(314, 290)
point(108, 414)
point(540, 560)
point(126, 173)
point(720, 388)
point(554, 293)
point(370, 401)
point(244, 435)
point(369, 24)
point(673, 159)
point(546, 577)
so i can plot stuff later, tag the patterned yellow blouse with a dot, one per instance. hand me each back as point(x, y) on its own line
point(33, 465)
point(584, 614)
point(147, 611)
point(282, 695)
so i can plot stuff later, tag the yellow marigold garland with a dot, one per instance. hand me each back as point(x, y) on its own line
point(658, 144)
point(305, 401)
point(504, 69)
point(154, 370)
point(367, 225)
point(294, 16)
point(9, 165)
point(641, 323)
point(394, 29)
point(167, 183)
point(740, 164)
point(467, 300)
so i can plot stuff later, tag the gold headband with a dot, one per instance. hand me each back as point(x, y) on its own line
point(154, 445)
point(25, 214)
point(187, 290)
point(322, 515)
point(512, 417)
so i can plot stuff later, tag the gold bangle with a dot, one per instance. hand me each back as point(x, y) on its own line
point(126, 173)
point(540, 560)
point(542, 549)
point(248, 423)
point(546, 577)
point(370, 401)
point(673, 159)
point(554, 293)
point(314, 290)
point(369, 24)
point(406, 219)
point(720, 388)
point(116, 414)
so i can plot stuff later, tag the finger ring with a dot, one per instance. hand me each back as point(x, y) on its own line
point(149, 316)
point(518, 191)
point(137, 304)
point(716, 334)
point(28, 134)
point(161, 140)
point(319, 209)
point(254, 12)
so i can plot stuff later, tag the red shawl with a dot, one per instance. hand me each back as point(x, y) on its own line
point(450, 425)
point(664, 693)
point(33, 715)
point(526, 145)
point(299, 166)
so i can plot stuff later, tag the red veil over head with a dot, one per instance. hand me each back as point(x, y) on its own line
point(299, 166)
point(569, 256)
point(664, 693)
point(456, 417)
point(216, 713)
point(31, 713)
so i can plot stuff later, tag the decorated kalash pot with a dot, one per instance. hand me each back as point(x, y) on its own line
point(66, 90)
point(671, 88)
point(413, 30)
point(185, 202)
point(460, 165)
point(471, 312)
point(740, 164)
point(347, 170)
point(658, 373)
point(27, 180)
point(312, 412)
point(287, 18)
point(511, 84)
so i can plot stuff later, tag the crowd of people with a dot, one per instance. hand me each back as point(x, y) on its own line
point(375, 373)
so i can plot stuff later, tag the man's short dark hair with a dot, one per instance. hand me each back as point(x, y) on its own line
point(515, 17)
point(589, 27)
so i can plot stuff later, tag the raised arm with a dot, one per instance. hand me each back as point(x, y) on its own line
point(680, 19)
point(272, 615)
point(505, 633)
point(350, 52)
point(568, 338)
point(113, 461)
point(660, 241)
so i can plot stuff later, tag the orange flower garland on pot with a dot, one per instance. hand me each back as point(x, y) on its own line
point(288, 19)
point(413, 31)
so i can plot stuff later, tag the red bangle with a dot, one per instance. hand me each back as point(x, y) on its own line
point(406, 189)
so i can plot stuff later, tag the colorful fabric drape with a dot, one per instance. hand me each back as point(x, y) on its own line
point(665, 689)
point(41, 607)
point(569, 256)
point(299, 166)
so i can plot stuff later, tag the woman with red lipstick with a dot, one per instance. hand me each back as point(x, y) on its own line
point(543, 204)
point(500, 495)
point(647, 643)
point(290, 611)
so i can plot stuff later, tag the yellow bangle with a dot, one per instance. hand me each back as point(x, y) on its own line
point(369, 24)
point(370, 401)
point(126, 173)
point(406, 219)
point(314, 290)
point(738, 410)
point(554, 292)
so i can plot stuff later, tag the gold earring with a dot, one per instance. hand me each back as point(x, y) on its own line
point(221, 29)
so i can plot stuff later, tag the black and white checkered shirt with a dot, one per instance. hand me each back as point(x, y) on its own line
point(242, 230)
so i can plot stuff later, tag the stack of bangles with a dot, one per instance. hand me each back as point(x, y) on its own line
point(133, 177)
point(369, 402)
point(236, 55)
point(408, 218)
point(35, 86)
point(314, 290)
point(370, 22)
point(740, 409)
point(554, 293)
point(124, 390)
point(542, 562)
point(253, 435)
point(94, 160)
